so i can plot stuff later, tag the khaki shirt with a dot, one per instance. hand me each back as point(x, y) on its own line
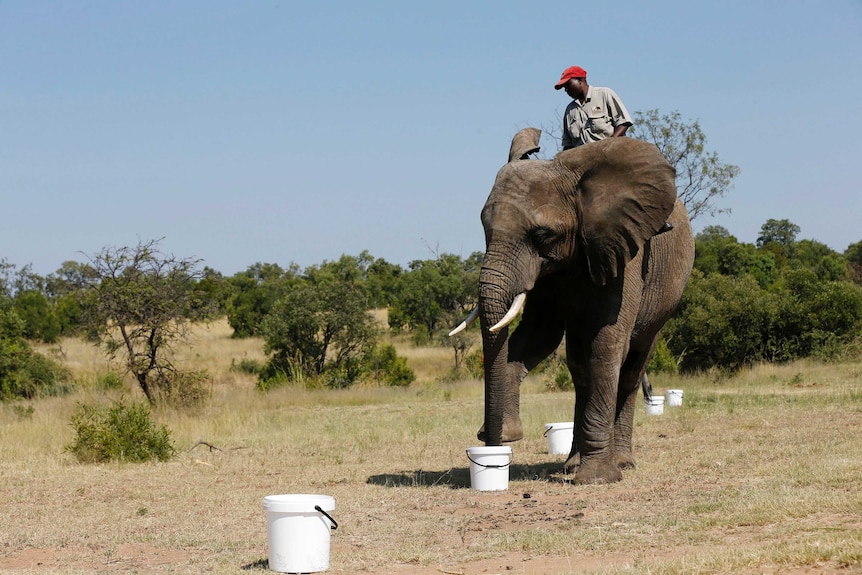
point(596, 120)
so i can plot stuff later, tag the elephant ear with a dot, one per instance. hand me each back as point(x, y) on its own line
point(524, 143)
point(625, 192)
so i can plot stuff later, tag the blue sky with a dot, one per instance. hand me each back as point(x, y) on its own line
point(282, 132)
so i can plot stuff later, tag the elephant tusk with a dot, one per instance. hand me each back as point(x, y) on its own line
point(466, 323)
point(516, 308)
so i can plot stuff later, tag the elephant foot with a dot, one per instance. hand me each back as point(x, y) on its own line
point(625, 460)
point(595, 472)
point(512, 431)
point(572, 463)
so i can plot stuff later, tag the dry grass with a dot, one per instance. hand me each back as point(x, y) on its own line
point(757, 473)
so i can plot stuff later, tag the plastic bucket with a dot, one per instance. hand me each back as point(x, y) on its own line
point(489, 467)
point(560, 436)
point(674, 397)
point(297, 529)
point(655, 405)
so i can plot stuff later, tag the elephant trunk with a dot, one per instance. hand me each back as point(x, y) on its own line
point(495, 298)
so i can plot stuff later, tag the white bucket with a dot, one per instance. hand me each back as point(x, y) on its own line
point(674, 397)
point(489, 467)
point(560, 436)
point(655, 406)
point(297, 528)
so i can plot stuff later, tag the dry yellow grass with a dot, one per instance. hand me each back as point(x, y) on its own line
point(757, 473)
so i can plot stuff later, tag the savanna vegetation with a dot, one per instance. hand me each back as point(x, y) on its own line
point(341, 378)
point(757, 472)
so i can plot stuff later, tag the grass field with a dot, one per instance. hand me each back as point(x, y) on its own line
point(756, 473)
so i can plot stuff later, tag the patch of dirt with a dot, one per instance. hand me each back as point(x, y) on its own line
point(135, 557)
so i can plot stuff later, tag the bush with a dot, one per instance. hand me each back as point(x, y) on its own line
point(384, 365)
point(723, 321)
point(183, 388)
point(122, 432)
point(247, 366)
point(271, 378)
point(475, 364)
point(662, 360)
point(556, 374)
point(110, 380)
point(25, 374)
point(40, 319)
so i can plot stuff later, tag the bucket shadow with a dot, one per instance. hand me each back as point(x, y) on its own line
point(455, 478)
point(259, 565)
point(459, 477)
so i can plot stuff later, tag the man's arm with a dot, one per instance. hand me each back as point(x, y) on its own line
point(620, 130)
point(619, 115)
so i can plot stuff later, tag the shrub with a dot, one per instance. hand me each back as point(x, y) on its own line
point(183, 388)
point(24, 373)
point(122, 432)
point(724, 322)
point(40, 319)
point(247, 366)
point(556, 374)
point(384, 364)
point(475, 364)
point(662, 360)
point(271, 378)
point(110, 380)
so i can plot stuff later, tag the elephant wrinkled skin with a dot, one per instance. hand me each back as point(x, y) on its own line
point(577, 235)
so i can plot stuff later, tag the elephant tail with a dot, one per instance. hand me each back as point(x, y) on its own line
point(646, 386)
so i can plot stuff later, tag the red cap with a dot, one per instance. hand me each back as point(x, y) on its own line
point(568, 74)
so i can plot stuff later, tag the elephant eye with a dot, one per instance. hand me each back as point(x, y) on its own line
point(544, 239)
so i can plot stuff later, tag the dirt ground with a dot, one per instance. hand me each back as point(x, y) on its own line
point(498, 512)
point(760, 478)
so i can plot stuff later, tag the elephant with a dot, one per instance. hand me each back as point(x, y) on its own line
point(572, 243)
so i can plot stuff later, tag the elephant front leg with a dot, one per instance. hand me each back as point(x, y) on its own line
point(595, 443)
point(513, 429)
point(538, 336)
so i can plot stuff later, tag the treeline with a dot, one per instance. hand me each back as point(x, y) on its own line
point(319, 325)
point(776, 300)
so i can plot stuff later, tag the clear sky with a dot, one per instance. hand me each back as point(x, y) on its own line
point(282, 132)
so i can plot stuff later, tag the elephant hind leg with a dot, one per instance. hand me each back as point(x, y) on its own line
point(632, 378)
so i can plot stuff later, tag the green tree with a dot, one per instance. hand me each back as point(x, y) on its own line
point(252, 293)
point(216, 288)
point(722, 321)
point(779, 232)
point(778, 237)
point(701, 178)
point(382, 279)
point(818, 317)
point(140, 304)
point(853, 255)
point(828, 264)
point(434, 292)
point(716, 251)
point(66, 288)
point(39, 316)
point(321, 325)
point(23, 372)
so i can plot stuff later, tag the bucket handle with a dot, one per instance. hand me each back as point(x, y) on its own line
point(328, 516)
point(547, 431)
point(489, 466)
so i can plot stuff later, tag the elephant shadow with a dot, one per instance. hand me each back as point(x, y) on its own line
point(459, 477)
